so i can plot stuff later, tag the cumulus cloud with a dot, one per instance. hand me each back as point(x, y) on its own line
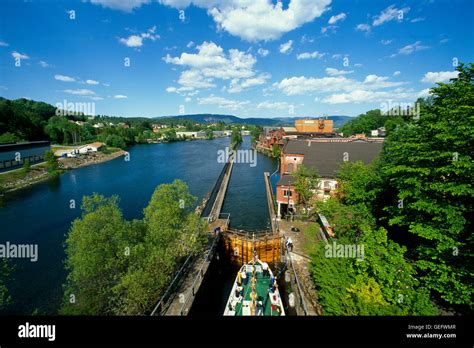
point(64, 78)
point(337, 18)
point(274, 105)
point(286, 47)
point(223, 102)
point(120, 96)
point(306, 85)
point(137, 39)
point(263, 52)
point(309, 55)
point(92, 82)
point(256, 20)
point(4, 43)
point(43, 64)
point(396, 73)
point(237, 85)
point(211, 62)
point(440, 76)
point(385, 42)
point(122, 5)
point(336, 72)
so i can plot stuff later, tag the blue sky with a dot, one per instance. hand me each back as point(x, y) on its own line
point(249, 58)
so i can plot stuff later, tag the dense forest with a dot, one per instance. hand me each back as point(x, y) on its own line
point(412, 210)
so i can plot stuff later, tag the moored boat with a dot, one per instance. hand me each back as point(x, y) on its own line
point(255, 292)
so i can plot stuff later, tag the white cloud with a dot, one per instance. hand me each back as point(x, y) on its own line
point(190, 44)
point(43, 64)
point(120, 96)
point(4, 43)
point(389, 14)
point(122, 5)
point(367, 96)
point(137, 39)
point(335, 72)
point(286, 47)
point(212, 62)
point(81, 91)
point(223, 102)
point(92, 82)
point(310, 55)
point(306, 85)
point(385, 42)
point(418, 19)
point(337, 18)
point(263, 52)
point(409, 49)
point(440, 76)
point(255, 20)
point(396, 73)
point(363, 27)
point(188, 99)
point(236, 86)
point(274, 105)
point(64, 78)
point(329, 28)
point(18, 55)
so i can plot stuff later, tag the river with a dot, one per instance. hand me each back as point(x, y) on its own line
point(42, 214)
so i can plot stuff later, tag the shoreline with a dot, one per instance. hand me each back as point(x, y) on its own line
point(44, 176)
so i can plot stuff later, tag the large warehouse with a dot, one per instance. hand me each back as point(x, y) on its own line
point(12, 156)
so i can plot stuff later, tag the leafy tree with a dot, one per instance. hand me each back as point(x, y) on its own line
point(235, 138)
point(9, 138)
point(364, 123)
point(428, 169)
point(381, 283)
point(172, 231)
point(5, 275)
point(122, 267)
point(51, 161)
point(26, 166)
point(115, 141)
point(209, 134)
point(96, 256)
point(276, 151)
point(306, 182)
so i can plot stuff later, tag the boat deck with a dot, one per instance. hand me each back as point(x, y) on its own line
point(266, 299)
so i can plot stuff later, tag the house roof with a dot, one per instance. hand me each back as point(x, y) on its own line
point(327, 158)
point(289, 129)
point(286, 180)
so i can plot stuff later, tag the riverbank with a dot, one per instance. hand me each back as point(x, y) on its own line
point(19, 179)
point(68, 163)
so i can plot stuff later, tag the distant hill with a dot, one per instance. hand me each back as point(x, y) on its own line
point(339, 121)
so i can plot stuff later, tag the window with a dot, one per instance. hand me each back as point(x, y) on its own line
point(290, 167)
point(286, 193)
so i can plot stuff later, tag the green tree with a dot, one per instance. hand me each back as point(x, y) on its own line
point(5, 275)
point(51, 161)
point(306, 181)
point(9, 138)
point(96, 257)
point(429, 170)
point(276, 150)
point(172, 232)
point(26, 166)
point(235, 138)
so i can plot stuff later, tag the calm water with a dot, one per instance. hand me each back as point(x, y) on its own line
point(41, 215)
